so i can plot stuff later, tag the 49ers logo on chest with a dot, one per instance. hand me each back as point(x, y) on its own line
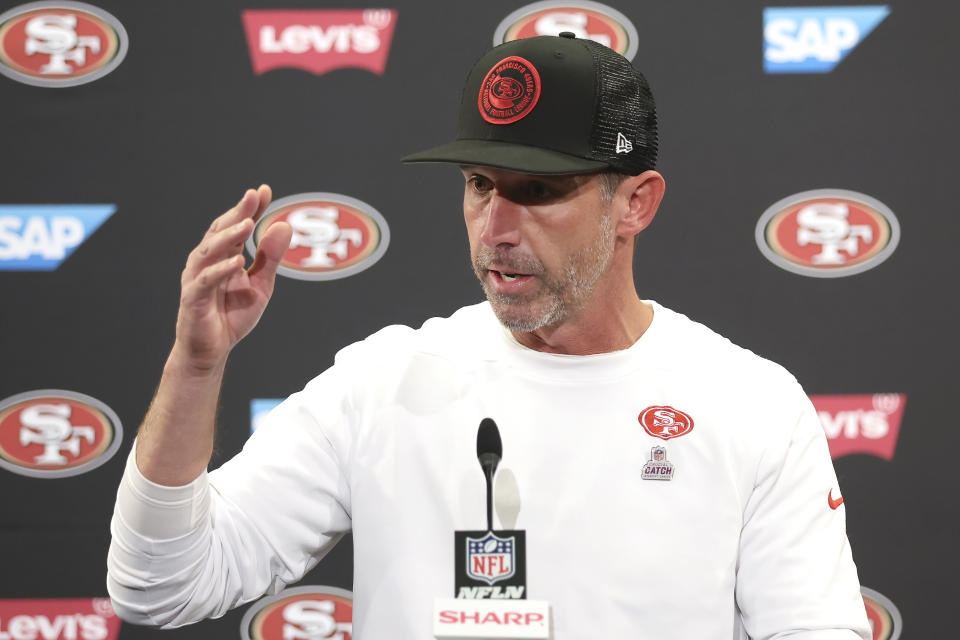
point(509, 91)
point(665, 422)
point(334, 236)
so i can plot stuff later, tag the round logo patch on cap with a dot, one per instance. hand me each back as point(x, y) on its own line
point(509, 91)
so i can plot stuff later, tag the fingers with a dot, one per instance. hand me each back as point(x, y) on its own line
point(270, 251)
point(218, 246)
point(209, 278)
point(251, 205)
point(264, 196)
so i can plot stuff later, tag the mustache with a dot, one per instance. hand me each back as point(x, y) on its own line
point(506, 259)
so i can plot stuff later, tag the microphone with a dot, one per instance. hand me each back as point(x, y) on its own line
point(489, 453)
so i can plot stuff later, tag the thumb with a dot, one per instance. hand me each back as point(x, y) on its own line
point(270, 251)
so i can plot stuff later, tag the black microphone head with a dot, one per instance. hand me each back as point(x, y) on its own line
point(488, 439)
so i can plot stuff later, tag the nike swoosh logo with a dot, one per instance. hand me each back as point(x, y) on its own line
point(834, 503)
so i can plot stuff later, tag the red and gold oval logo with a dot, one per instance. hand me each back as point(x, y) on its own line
point(509, 91)
point(334, 236)
point(54, 434)
point(885, 620)
point(665, 422)
point(586, 20)
point(827, 233)
point(301, 612)
point(60, 44)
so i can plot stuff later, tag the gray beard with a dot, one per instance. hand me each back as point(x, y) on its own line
point(561, 296)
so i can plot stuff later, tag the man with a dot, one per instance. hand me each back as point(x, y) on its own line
point(671, 484)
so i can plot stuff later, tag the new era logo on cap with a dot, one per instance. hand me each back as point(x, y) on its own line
point(623, 145)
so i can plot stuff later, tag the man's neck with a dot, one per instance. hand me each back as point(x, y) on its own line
point(597, 329)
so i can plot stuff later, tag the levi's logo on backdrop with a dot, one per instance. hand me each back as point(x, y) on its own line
point(585, 19)
point(814, 39)
point(301, 612)
point(827, 233)
point(60, 44)
point(868, 423)
point(58, 619)
point(38, 237)
point(319, 40)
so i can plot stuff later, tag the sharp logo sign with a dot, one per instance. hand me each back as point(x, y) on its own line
point(38, 237)
point(814, 39)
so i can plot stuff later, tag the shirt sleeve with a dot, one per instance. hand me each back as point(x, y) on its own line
point(259, 522)
point(795, 576)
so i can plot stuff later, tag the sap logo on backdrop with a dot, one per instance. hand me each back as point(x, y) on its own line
point(312, 613)
point(334, 236)
point(827, 233)
point(587, 20)
point(319, 40)
point(885, 620)
point(259, 408)
point(56, 434)
point(60, 44)
point(38, 237)
point(814, 39)
point(58, 619)
point(868, 423)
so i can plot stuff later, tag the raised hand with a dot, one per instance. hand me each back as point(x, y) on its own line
point(220, 302)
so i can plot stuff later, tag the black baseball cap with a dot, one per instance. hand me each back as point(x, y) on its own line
point(553, 105)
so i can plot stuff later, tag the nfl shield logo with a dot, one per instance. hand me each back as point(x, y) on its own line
point(491, 558)
point(659, 454)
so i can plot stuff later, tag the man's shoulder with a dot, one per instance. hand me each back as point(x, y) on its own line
point(704, 352)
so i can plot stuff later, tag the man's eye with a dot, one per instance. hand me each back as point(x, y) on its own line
point(538, 190)
point(479, 183)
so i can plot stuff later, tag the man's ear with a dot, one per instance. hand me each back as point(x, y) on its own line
point(642, 194)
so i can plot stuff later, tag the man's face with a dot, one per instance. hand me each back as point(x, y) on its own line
point(539, 244)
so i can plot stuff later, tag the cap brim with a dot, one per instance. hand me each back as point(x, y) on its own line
point(506, 155)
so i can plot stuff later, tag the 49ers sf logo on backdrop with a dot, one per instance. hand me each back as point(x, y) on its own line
point(885, 620)
point(60, 44)
point(827, 233)
point(316, 613)
point(58, 619)
point(586, 20)
point(665, 422)
point(334, 236)
point(55, 434)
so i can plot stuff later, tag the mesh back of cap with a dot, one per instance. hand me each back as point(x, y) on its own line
point(625, 105)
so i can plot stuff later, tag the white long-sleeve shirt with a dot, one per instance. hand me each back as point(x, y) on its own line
point(744, 539)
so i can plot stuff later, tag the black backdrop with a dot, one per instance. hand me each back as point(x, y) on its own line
point(175, 134)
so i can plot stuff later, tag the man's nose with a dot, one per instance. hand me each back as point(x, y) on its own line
point(501, 225)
